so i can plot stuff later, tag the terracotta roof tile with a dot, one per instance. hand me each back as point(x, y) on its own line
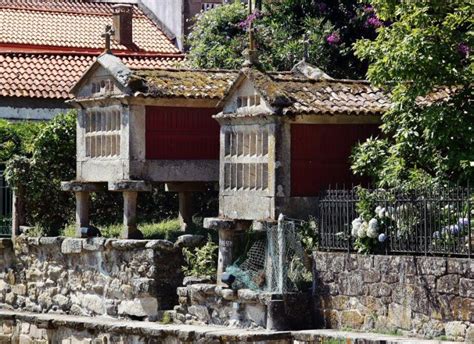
point(53, 75)
point(188, 83)
point(74, 6)
point(326, 96)
point(75, 30)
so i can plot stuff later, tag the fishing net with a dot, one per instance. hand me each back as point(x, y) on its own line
point(274, 263)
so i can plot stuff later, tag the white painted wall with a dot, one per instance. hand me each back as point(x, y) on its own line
point(171, 14)
point(28, 113)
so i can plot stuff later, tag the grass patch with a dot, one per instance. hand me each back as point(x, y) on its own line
point(167, 229)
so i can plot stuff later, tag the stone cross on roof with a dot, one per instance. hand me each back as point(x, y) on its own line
point(109, 32)
point(306, 43)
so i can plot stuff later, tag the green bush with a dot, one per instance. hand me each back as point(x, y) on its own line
point(202, 261)
point(39, 170)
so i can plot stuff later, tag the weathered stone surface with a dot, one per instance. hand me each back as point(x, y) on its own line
point(94, 244)
point(200, 312)
point(191, 241)
point(71, 245)
point(247, 295)
point(93, 304)
point(417, 294)
point(88, 276)
point(466, 288)
point(448, 284)
point(352, 319)
point(160, 244)
point(128, 244)
point(456, 329)
point(140, 307)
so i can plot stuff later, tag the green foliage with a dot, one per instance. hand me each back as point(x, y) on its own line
point(16, 138)
point(427, 46)
point(216, 39)
point(220, 35)
point(202, 261)
point(308, 234)
point(39, 170)
point(168, 229)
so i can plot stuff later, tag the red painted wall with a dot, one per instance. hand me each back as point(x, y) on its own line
point(179, 133)
point(320, 155)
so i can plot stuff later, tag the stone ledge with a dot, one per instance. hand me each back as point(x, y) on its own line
point(77, 245)
point(130, 185)
point(78, 186)
point(201, 334)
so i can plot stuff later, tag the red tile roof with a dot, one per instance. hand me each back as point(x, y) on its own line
point(73, 24)
point(46, 45)
point(53, 75)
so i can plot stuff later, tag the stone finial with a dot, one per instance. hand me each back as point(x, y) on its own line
point(109, 32)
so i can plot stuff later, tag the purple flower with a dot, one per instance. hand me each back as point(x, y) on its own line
point(464, 49)
point(463, 222)
point(454, 229)
point(249, 20)
point(373, 22)
point(382, 237)
point(333, 38)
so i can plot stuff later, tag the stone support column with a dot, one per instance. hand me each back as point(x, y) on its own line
point(226, 250)
point(82, 211)
point(229, 231)
point(185, 209)
point(130, 230)
point(130, 190)
point(82, 191)
point(185, 191)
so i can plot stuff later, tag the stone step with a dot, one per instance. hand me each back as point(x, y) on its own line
point(349, 337)
point(40, 326)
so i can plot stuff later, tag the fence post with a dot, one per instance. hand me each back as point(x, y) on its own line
point(281, 254)
point(18, 211)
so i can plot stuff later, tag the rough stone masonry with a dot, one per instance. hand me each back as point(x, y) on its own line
point(118, 278)
point(427, 296)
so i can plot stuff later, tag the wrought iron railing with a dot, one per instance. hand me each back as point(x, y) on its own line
point(5, 206)
point(436, 221)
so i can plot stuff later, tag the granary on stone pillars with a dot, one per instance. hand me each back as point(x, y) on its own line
point(284, 137)
point(136, 127)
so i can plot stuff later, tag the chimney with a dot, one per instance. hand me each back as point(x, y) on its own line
point(123, 24)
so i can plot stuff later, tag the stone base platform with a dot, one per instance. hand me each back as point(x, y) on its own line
point(214, 305)
point(22, 327)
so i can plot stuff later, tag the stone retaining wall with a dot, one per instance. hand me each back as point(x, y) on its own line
point(119, 278)
point(429, 296)
point(215, 305)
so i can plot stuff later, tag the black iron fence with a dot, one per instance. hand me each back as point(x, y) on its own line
point(436, 221)
point(5, 206)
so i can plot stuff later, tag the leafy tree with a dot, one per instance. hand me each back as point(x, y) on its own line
point(16, 138)
point(425, 49)
point(220, 35)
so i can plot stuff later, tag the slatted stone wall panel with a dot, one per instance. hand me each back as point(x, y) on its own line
point(246, 160)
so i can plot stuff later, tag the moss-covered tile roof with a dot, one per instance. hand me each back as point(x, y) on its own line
point(185, 83)
point(296, 94)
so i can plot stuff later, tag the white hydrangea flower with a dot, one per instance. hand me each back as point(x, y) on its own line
point(378, 210)
point(362, 232)
point(373, 228)
point(355, 226)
